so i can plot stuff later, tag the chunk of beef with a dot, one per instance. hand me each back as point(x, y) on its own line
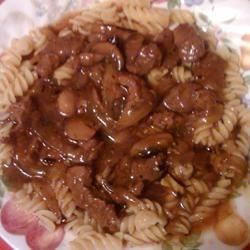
point(47, 64)
point(79, 176)
point(191, 46)
point(163, 120)
point(149, 169)
point(166, 40)
point(78, 179)
point(211, 70)
point(181, 98)
point(140, 59)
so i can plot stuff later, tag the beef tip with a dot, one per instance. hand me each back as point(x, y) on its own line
point(118, 194)
point(191, 46)
point(181, 98)
point(140, 59)
point(157, 192)
point(47, 64)
point(132, 47)
point(162, 120)
point(65, 46)
point(79, 176)
point(149, 169)
point(79, 180)
point(211, 71)
point(46, 193)
point(90, 59)
point(165, 39)
point(171, 59)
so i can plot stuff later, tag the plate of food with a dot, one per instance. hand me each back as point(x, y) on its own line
point(125, 125)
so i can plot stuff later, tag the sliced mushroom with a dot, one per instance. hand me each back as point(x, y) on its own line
point(76, 129)
point(66, 103)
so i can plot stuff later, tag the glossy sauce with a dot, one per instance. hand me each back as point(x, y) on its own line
point(110, 133)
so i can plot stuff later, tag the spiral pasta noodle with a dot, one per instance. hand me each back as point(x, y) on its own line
point(187, 201)
point(96, 241)
point(169, 181)
point(180, 74)
point(140, 221)
point(152, 234)
point(64, 198)
point(33, 204)
point(145, 20)
point(146, 204)
point(181, 16)
point(213, 198)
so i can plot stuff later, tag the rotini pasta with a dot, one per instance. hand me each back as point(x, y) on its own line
point(96, 241)
point(141, 221)
point(180, 74)
point(33, 204)
point(169, 181)
point(186, 196)
point(218, 193)
point(64, 198)
point(64, 72)
point(181, 16)
point(146, 204)
point(150, 235)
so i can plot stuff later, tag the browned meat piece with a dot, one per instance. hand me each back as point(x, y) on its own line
point(47, 64)
point(96, 73)
point(47, 193)
point(166, 40)
point(162, 120)
point(181, 98)
point(139, 101)
point(118, 194)
point(140, 59)
point(111, 91)
point(79, 176)
point(191, 46)
point(148, 169)
point(64, 47)
point(78, 179)
point(229, 166)
point(211, 70)
point(157, 192)
point(90, 59)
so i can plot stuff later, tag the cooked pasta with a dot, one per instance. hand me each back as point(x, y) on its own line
point(181, 74)
point(145, 20)
point(181, 16)
point(211, 135)
point(196, 187)
point(150, 235)
point(84, 121)
point(218, 193)
point(181, 224)
point(169, 181)
point(64, 72)
point(146, 204)
point(141, 221)
point(64, 198)
point(33, 204)
point(96, 241)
